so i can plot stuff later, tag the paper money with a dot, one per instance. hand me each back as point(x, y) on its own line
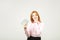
point(24, 22)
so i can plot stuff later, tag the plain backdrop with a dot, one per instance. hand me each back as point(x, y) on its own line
point(12, 12)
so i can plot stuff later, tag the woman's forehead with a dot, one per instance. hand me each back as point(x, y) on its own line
point(34, 14)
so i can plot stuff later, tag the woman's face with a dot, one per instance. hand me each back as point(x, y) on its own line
point(35, 17)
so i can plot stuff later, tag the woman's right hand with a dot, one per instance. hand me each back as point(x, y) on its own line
point(25, 26)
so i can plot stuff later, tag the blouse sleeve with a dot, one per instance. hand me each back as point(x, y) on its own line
point(27, 30)
point(42, 27)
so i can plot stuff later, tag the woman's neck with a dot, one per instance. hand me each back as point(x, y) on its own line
point(36, 21)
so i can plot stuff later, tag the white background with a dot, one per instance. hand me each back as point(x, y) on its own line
point(12, 12)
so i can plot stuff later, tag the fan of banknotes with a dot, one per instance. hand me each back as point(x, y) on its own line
point(24, 22)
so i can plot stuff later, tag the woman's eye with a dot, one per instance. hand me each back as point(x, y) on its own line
point(32, 15)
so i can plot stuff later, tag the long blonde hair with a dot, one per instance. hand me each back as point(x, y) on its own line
point(36, 14)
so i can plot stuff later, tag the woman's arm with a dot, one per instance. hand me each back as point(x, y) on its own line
point(27, 31)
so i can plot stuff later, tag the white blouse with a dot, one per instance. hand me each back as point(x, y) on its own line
point(34, 29)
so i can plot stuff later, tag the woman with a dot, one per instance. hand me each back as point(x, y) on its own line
point(33, 29)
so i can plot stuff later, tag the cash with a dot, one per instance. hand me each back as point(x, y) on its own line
point(24, 22)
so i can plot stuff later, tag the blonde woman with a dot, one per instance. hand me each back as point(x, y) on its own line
point(33, 29)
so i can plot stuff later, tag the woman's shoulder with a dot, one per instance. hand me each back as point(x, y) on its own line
point(41, 23)
point(30, 23)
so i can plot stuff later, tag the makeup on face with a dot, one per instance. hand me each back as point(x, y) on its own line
point(35, 17)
